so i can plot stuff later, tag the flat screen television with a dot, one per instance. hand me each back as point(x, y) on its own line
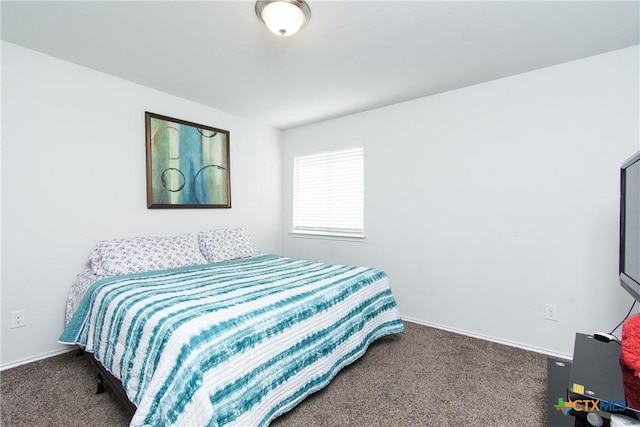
point(630, 225)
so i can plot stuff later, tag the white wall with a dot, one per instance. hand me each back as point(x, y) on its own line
point(486, 203)
point(483, 204)
point(73, 173)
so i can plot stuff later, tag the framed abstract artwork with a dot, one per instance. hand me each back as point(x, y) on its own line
point(187, 164)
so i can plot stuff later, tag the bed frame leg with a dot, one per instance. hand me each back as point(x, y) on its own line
point(79, 352)
point(101, 388)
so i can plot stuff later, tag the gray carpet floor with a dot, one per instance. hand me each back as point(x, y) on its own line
point(422, 377)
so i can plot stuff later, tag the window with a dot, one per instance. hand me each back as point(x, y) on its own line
point(328, 193)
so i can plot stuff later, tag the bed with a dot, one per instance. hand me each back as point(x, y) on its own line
point(233, 339)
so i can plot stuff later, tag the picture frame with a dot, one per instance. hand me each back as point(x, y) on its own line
point(188, 164)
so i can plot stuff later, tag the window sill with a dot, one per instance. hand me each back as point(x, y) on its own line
point(327, 236)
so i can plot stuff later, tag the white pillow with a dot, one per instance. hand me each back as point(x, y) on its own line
point(134, 255)
point(225, 244)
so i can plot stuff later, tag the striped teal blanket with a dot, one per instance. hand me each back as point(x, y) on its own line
point(234, 343)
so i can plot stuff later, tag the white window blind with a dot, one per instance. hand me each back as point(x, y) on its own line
point(328, 193)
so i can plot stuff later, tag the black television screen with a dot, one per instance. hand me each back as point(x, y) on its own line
point(630, 225)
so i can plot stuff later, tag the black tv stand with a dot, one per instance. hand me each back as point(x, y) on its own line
point(595, 374)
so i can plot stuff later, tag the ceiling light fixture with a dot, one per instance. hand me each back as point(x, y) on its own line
point(283, 17)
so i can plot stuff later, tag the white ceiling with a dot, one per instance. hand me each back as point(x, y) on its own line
point(352, 56)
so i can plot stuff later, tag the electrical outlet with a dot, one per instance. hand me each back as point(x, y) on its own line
point(18, 319)
point(551, 312)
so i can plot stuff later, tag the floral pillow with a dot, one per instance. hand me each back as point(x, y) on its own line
point(225, 244)
point(134, 255)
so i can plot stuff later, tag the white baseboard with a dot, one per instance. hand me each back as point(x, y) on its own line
point(408, 319)
point(489, 338)
point(36, 358)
